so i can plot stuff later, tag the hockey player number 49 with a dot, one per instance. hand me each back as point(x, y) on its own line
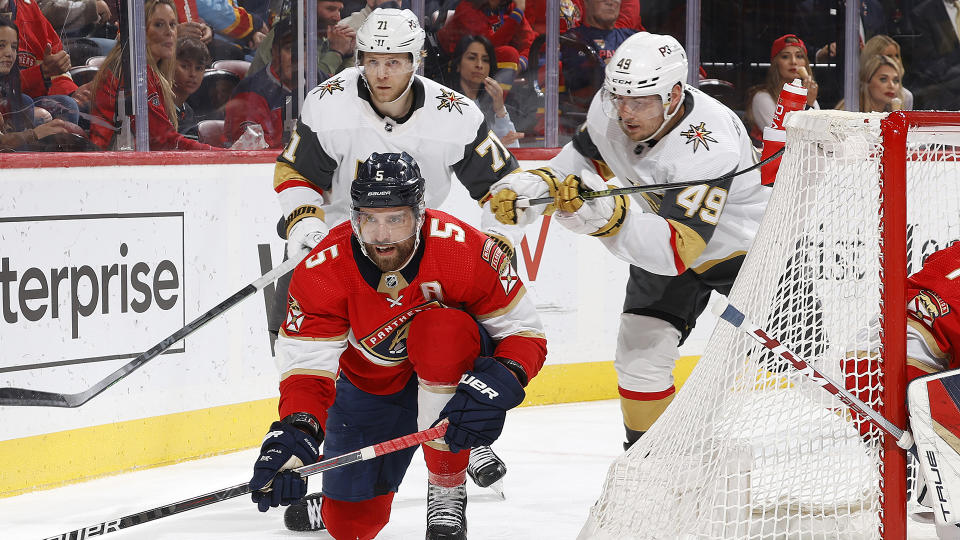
point(711, 199)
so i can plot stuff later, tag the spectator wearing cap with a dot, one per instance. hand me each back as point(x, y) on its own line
point(500, 21)
point(42, 60)
point(193, 57)
point(788, 61)
point(260, 98)
point(335, 44)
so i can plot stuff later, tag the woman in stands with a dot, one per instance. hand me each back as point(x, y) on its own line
point(880, 86)
point(16, 110)
point(881, 44)
point(161, 18)
point(788, 61)
point(470, 70)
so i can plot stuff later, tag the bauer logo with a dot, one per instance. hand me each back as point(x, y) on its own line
point(89, 287)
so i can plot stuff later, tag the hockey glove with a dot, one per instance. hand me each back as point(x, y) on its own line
point(526, 185)
point(285, 447)
point(602, 216)
point(304, 233)
point(478, 408)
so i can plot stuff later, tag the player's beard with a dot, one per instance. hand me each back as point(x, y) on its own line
point(394, 259)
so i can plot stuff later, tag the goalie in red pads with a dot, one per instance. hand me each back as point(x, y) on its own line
point(933, 396)
point(397, 319)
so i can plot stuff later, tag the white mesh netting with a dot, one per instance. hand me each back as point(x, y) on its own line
point(748, 449)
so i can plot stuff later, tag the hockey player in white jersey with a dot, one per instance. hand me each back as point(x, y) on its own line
point(647, 127)
point(383, 106)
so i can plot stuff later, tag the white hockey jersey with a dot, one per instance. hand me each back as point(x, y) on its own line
point(338, 129)
point(667, 232)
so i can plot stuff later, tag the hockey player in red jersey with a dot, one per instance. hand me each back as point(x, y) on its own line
point(385, 316)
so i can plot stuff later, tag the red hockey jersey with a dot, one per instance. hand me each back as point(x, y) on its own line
point(345, 315)
point(933, 324)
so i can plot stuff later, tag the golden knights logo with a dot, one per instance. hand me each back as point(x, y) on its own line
point(450, 101)
point(330, 86)
point(294, 316)
point(927, 306)
point(698, 135)
point(389, 341)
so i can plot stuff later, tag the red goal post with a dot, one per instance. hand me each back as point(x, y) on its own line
point(748, 448)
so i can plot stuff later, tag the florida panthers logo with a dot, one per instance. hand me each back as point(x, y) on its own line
point(294, 316)
point(330, 86)
point(450, 101)
point(387, 345)
point(927, 306)
point(698, 135)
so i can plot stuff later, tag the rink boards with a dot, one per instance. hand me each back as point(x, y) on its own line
point(102, 256)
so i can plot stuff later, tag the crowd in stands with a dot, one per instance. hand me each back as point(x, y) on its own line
point(221, 72)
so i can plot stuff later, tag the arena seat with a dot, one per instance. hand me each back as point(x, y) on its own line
point(211, 132)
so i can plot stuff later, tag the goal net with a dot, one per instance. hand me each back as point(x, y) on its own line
point(749, 449)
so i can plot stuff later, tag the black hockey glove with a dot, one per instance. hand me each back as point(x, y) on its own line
point(478, 408)
point(285, 447)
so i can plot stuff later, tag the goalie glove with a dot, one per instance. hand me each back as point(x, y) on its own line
point(531, 184)
point(305, 229)
point(599, 217)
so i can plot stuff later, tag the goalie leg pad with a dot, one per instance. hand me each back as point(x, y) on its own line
point(934, 407)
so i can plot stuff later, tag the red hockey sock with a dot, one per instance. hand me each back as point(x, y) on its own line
point(445, 468)
point(360, 520)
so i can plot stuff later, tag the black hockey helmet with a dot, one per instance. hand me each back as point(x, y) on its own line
point(388, 180)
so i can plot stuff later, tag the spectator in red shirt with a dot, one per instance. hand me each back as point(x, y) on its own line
point(500, 21)
point(43, 62)
point(571, 14)
point(161, 18)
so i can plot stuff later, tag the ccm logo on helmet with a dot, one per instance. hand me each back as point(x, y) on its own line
point(474, 382)
point(665, 50)
point(620, 81)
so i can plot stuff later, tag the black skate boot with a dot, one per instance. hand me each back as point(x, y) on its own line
point(485, 467)
point(304, 515)
point(446, 512)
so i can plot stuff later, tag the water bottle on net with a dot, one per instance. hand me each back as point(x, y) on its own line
point(793, 97)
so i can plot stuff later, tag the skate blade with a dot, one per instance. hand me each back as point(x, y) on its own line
point(497, 488)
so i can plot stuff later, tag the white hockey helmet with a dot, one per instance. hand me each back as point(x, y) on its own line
point(391, 30)
point(646, 64)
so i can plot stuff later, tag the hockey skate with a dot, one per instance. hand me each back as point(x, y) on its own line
point(486, 469)
point(446, 512)
point(304, 515)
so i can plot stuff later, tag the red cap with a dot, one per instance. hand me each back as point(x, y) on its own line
point(781, 42)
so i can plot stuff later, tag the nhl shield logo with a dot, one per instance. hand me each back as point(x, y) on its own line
point(294, 316)
point(391, 281)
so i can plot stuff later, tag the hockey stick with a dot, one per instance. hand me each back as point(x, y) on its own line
point(587, 195)
point(24, 397)
point(363, 454)
point(734, 316)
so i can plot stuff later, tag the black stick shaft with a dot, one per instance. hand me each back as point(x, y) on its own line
point(363, 454)
point(587, 195)
point(24, 397)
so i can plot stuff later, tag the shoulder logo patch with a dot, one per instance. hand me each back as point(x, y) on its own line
point(330, 86)
point(499, 261)
point(926, 306)
point(294, 316)
point(698, 135)
point(450, 101)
